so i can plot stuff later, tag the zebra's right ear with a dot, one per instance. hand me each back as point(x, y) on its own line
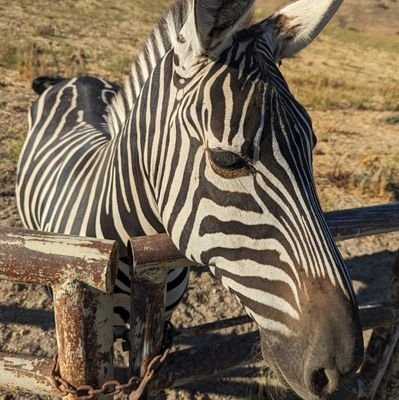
point(217, 20)
point(293, 27)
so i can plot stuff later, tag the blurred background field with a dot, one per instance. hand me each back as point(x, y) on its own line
point(348, 79)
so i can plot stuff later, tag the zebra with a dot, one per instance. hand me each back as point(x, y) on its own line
point(205, 142)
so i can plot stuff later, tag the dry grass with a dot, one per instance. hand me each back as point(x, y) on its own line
point(322, 92)
point(356, 158)
point(364, 40)
point(374, 176)
point(76, 38)
point(12, 148)
point(32, 59)
point(345, 69)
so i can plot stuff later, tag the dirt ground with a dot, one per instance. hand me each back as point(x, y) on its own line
point(348, 79)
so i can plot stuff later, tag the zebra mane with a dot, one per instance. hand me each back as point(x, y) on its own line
point(158, 43)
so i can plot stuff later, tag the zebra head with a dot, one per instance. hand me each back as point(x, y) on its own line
point(240, 195)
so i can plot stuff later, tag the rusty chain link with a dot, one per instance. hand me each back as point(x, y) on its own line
point(108, 388)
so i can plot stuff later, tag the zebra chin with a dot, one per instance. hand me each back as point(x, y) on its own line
point(324, 351)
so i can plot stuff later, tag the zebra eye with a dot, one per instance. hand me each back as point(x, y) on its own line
point(226, 159)
point(228, 164)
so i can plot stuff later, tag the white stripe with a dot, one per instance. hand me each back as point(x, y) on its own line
point(262, 297)
point(270, 324)
point(250, 268)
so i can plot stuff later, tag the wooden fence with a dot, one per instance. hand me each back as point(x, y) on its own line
point(81, 272)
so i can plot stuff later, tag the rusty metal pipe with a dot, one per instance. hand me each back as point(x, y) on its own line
point(26, 373)
point(84, 328)
point(81, 272)
point(147, 252)
point(52, 259)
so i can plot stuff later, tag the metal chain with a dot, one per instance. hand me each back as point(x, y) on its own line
point(149, 373)
point(109, 388)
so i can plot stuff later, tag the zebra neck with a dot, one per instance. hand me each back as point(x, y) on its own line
point(159, 42)
point(133, 201)
point(146, 143)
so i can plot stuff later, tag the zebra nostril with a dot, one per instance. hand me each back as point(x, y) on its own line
point(324, 381)
point(319, 381)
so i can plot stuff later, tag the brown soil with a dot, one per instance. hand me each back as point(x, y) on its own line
point(354, 160)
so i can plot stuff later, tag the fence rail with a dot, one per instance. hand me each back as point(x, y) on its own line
point(82, 271)
point(158, 250)
point(52, 259)
point(363, 221)
point(22, 372)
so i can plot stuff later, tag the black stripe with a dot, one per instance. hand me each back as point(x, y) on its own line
point(123, 278)
point(124, 314)
point(177, 281)
point(170, 307)
point(117, 289)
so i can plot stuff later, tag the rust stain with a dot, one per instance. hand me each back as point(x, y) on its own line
point(84, 333)
point(26, 372)
point(52, 259)
point(80, 270)
point(69, 319)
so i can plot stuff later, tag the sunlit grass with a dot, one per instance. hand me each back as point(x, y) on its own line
point(363, 39)
point(323, 92)
point(373, 176)
point(58, 49)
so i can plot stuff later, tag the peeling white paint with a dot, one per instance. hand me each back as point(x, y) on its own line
point(20, 373)
point(63, 246)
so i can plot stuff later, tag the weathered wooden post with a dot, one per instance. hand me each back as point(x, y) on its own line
point(81, 272)
point(151, 258)
point(380, 371)
point(147, 301)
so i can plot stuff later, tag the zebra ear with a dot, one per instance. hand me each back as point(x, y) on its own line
point(216, 20)
point(293, 27)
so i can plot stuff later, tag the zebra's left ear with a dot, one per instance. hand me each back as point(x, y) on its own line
point(217, 20)
point(293, 27)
